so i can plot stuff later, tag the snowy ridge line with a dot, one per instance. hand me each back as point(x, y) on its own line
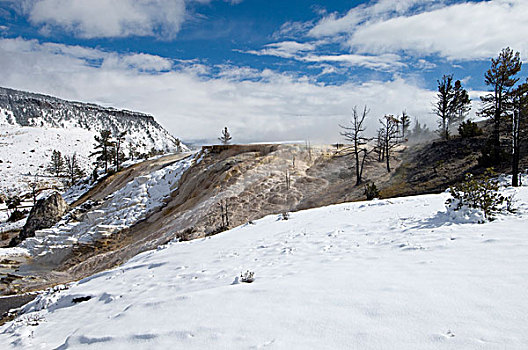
point(366, 275)
point(121, 210)
point(32, 126)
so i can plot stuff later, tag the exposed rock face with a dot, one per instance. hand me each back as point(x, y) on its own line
point(46, 213)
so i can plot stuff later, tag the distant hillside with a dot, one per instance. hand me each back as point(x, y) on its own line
point(29, 109)
point(33, 125)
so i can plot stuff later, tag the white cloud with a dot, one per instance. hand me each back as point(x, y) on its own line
point(110, 18)
point(256, 105)
point(380, 62)
point(285, 49)
point(303, 52)
point(462, 31)
point(333, 24)
point(292, 30)
point(465, 31)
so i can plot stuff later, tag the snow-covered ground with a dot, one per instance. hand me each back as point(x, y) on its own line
point(26, 152)
point(387, 274)
point(124, 208)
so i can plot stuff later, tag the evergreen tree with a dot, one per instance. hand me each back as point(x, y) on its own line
point(13, 203)
point(442, 106)
point(501, 79)
point(72, 168)
point(226, 137)
point(460, 104)
point(131, 151)
point(178, 144)
point(56, 165)
point(519, 127)
point(452, 105)
point(405, 122)
point(103, 148)
point(119, 156)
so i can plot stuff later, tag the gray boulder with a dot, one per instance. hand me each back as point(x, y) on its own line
point(46, 213)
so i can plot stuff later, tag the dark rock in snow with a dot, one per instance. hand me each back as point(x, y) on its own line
point(46, 213)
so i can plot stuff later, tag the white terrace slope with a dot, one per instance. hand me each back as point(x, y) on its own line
point(388, 274)
point(121, 210)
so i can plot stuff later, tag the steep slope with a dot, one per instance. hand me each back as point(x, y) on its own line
point(399, 273)
point(33, 125)
point(250, 179)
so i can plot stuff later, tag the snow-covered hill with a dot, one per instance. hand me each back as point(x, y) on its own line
point(33, 125)
point(398, 274)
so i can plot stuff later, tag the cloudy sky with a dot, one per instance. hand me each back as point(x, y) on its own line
point(270, 70)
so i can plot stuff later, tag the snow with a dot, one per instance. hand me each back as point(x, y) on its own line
point(395, 273)
point(26, 151)
point(11, 252)
point(124, 208)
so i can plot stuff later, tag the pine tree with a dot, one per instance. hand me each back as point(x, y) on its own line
point(119, 156)
point(56, 165)
point(443, 104)
point(405, 122)
point(460, 104)
point(452, 105)
point(519, 127)
point(501, 79)
point(226, 137)
point(102, 148)
point(178, 144)
point(72, 168)
point(13, 203)
point(131, 151)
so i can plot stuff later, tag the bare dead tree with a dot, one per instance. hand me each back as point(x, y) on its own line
point(389, 126)
point(224, 213)
point(354, 134)
point(288, 180)
point(379, 149)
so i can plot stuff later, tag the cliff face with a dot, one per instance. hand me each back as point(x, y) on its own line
point(35, 110)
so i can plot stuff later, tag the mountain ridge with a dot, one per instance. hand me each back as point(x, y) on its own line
point(33, 125)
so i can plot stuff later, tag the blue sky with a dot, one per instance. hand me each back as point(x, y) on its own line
point(270, 70)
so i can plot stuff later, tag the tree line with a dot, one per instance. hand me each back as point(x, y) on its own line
point(108, 154)
point(505, 107)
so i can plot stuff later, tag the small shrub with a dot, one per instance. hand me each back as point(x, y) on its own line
point(187, 234)
point(247, 277)
point(481, 194)
point(371, 191)
point(490, 156)
point(510, 201)
point(469, 129)
point(17, 215)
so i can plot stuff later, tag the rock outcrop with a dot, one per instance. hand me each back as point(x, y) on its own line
point(46, 213)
